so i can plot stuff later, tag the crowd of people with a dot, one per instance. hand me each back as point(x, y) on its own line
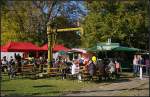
point(107, 67)
point(11, 66)
point(139, 61)
point(14, 64)
point(91, 65)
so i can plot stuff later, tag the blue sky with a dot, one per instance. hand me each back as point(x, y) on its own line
point(76, 13)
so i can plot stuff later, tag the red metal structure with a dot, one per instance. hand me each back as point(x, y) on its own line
point(57, 47)
point(19, 47)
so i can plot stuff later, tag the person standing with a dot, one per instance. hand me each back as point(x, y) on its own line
point(18, 59)
point(75, 67)
point(147, 63)
point(11, 69)
point(81, 60)
point(63, 67)
point(91, 69)
point(140, 66)
point(135, 65)
point(111, 65)
point(117, 68)
point(140, 62)
point(4, 64)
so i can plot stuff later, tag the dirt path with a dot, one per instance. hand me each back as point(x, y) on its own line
point(124, 87)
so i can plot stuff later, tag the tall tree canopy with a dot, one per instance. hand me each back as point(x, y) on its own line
point(122, 21)
point(125, 22)
point(27, 20)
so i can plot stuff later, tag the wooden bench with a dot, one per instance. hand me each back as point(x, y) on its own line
point(54, 72)
point(28, 71)
point(84, 73)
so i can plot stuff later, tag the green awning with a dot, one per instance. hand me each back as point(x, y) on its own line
point(111, 47)
point(125, 49)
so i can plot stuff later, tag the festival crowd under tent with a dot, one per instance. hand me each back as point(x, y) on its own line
point(115, 51)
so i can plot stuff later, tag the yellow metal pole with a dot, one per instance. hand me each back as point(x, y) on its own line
point(49, 32)
point(68, 29)
point(51, 39)
point(81, 30)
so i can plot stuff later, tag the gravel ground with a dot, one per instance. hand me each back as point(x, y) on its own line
point(126, 86)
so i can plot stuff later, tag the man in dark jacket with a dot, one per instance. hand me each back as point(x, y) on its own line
point(92, 68)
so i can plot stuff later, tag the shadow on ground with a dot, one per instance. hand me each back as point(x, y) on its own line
point(43, 86)
point(112, 81)
point(43, 93)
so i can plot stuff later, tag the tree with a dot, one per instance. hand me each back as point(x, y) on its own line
point(123, 22)
point(16, 22)
point(30, 18)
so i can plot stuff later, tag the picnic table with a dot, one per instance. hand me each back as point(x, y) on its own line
point(27, 70)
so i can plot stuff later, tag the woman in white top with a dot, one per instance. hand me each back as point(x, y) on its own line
point(75, 68)
point(135, 65)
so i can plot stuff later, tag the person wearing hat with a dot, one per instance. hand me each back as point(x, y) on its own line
point(94, 58)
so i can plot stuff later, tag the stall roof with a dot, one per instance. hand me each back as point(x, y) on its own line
point(19, 47)
point(57, 47)
point(3, 49)
point(121, 48)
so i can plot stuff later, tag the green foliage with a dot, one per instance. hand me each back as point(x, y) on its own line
point(15, 22)
point(31, 17)
point(123, 22)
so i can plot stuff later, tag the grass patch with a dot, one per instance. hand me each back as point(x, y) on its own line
point(40, 87)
